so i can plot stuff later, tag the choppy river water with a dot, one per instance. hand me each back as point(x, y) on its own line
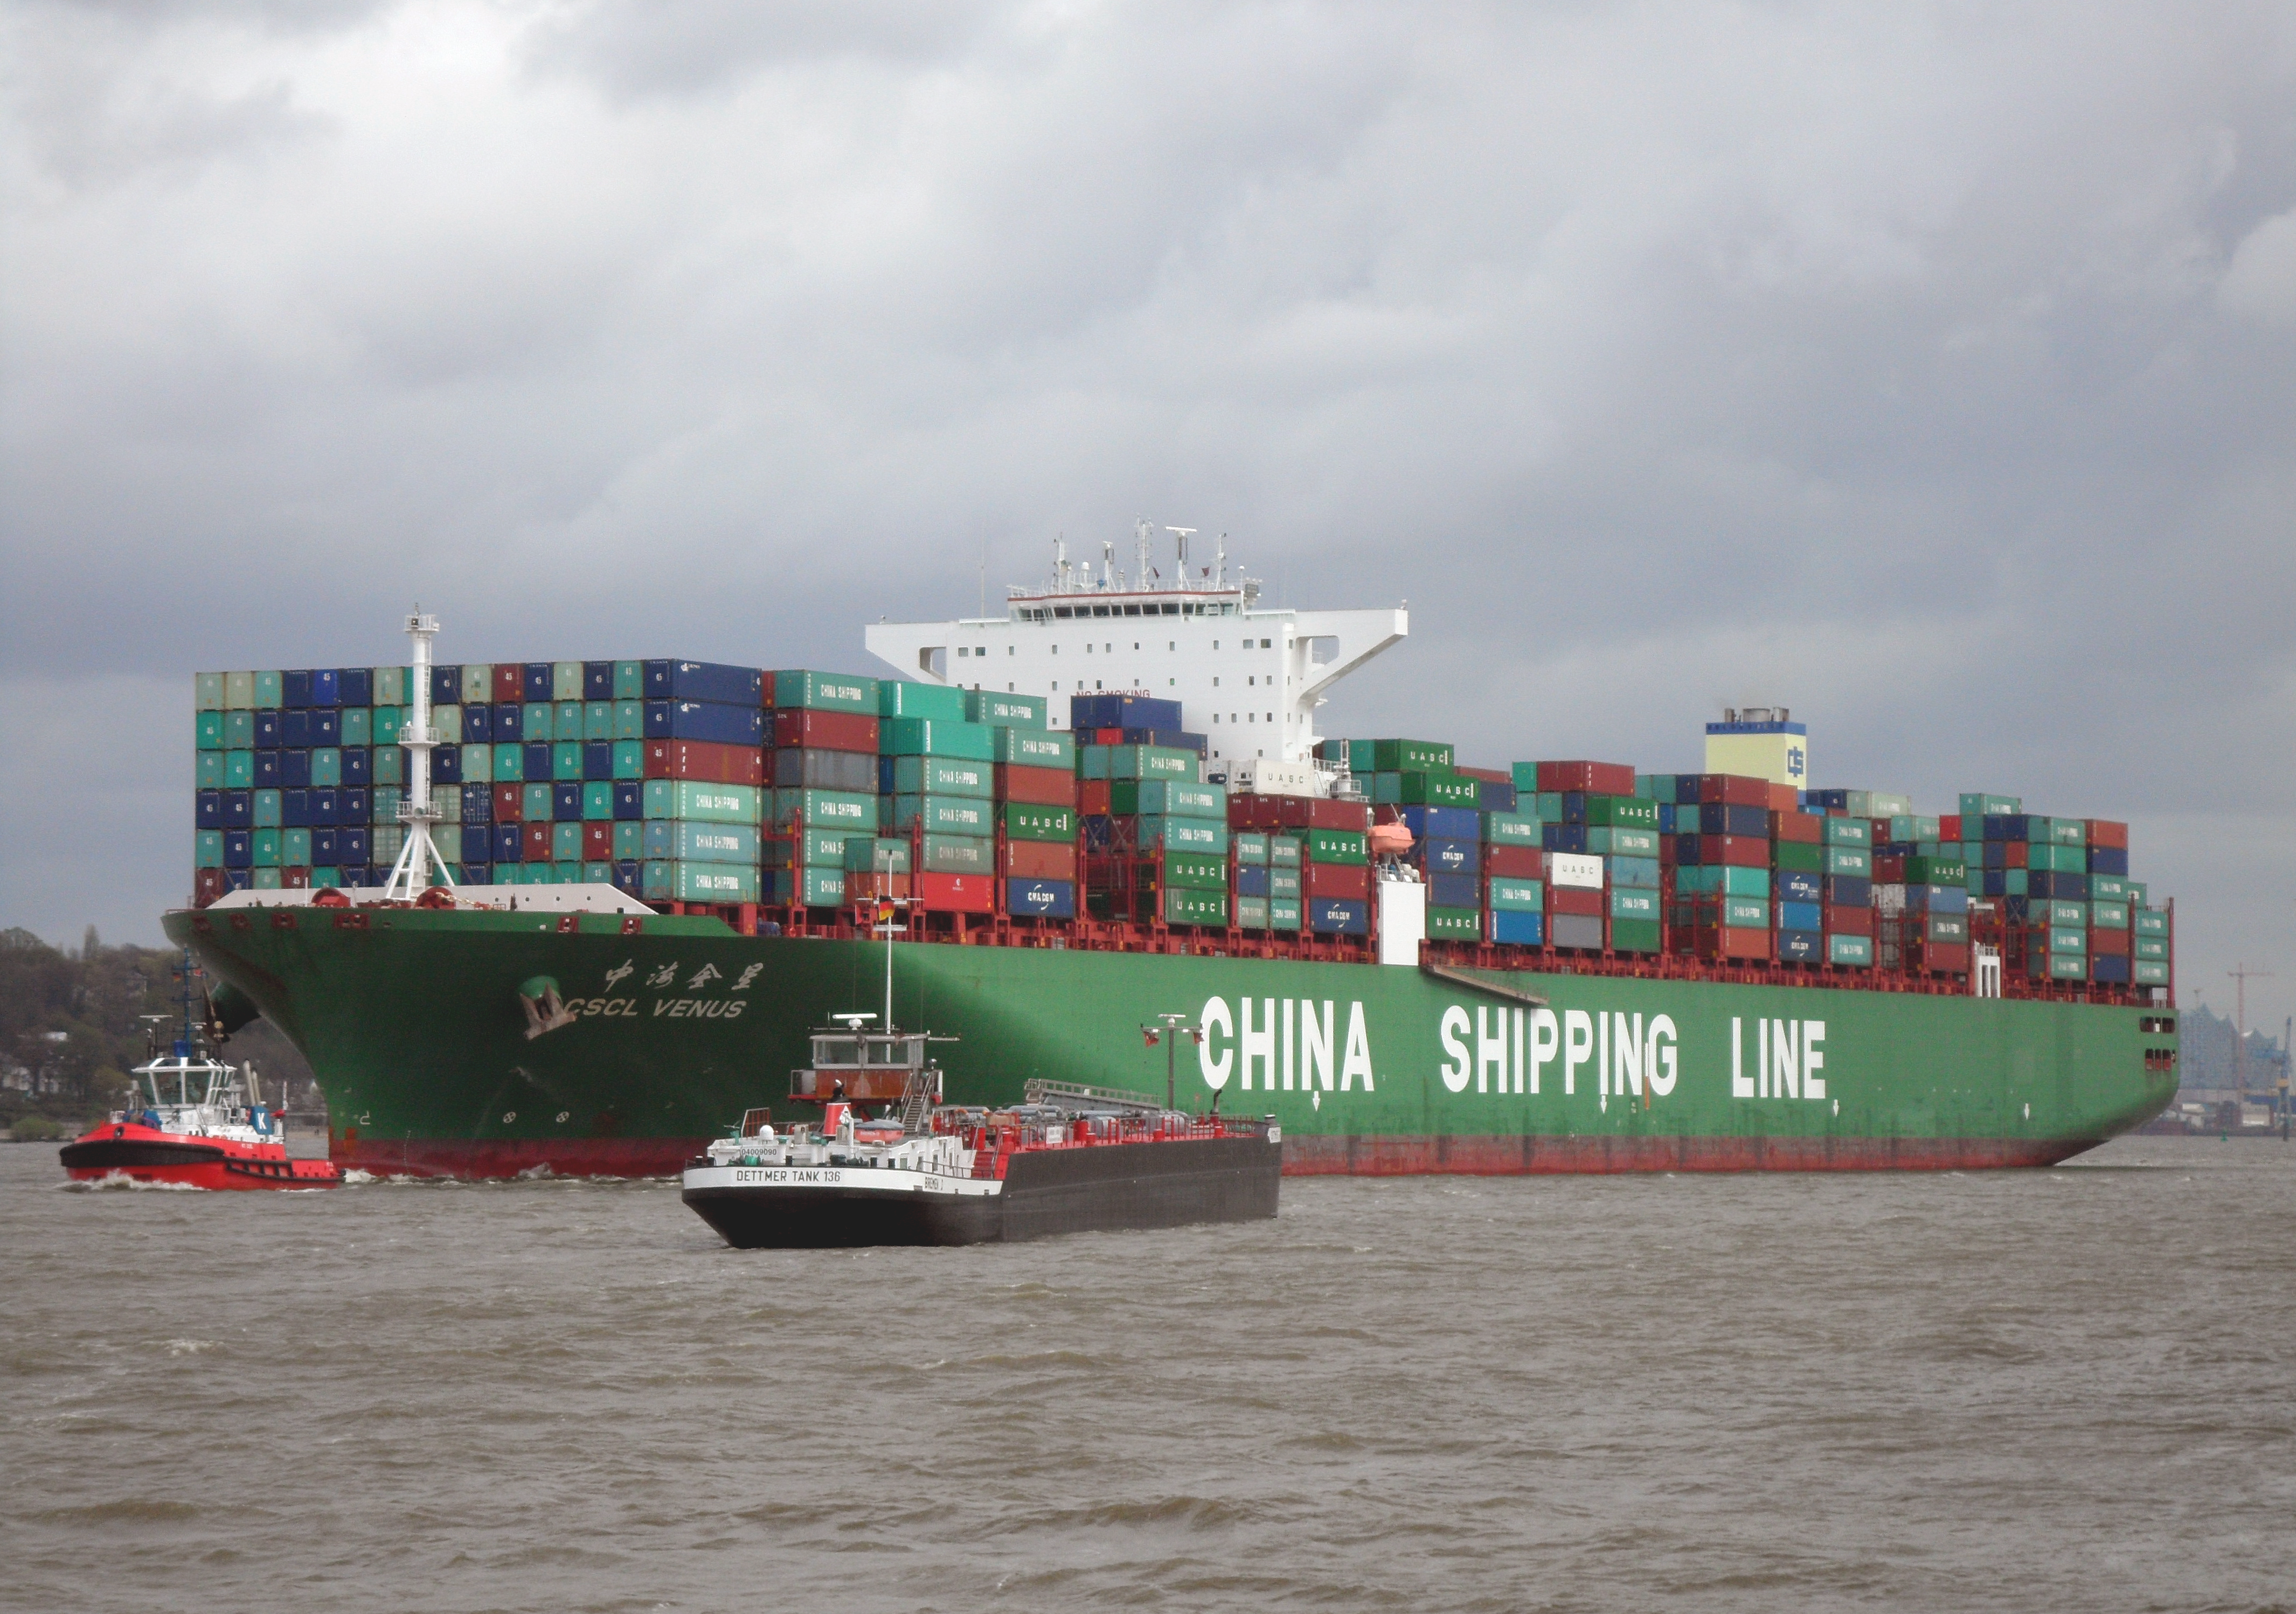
point(2022, 1390)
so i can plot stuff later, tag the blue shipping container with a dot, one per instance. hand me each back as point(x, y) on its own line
point(1453, 857)
point(295, 687)
point(1518, 929)
point(717, 723)
point(1454, 890)
point(1043, 898)
point(690, 681)
point(597, 680)
point(1850, 890)
point(1798, 915)
point(1444, 822)
point(1794, 885)
point(1123, 712)
point(1334, 916)
point(1800, 947)
point(1251, 880)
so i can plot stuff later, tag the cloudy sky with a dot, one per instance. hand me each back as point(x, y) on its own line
point(1930, 369)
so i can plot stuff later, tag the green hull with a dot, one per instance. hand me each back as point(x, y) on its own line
point(414, 1025)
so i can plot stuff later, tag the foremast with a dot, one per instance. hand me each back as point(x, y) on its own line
point(419, 866)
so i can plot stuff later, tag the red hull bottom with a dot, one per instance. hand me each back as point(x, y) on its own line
point(231, 1176)
point(1319, 1156)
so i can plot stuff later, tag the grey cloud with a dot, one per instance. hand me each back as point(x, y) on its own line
point(1926, 369)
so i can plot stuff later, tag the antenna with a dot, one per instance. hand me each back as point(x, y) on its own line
point(2243, 976)
point(418, 859)
point(1180, 537)
point(1107, 563)
point(1219, 577)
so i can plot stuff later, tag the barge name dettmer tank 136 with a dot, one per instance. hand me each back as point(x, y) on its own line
point(573, 915)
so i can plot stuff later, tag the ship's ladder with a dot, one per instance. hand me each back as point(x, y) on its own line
point(1074, 1095)
point(918, 1095)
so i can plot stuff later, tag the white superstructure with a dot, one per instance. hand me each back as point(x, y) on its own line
point(1247, 677)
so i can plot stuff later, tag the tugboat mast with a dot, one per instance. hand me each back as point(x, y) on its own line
point(413, 874)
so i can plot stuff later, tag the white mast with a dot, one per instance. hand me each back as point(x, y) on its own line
point(411, 876)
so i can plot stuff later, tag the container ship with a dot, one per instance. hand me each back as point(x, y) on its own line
point(571, 914)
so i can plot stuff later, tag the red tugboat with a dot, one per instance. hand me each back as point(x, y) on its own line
point(1071, 1159)
point(224, 1137)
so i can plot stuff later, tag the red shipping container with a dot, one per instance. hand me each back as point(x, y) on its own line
point(295, 879)
point(2108, 944)
point(1092, 797)
point(1945, 957)
point(800, 728)
point(1325, 813)
point(1807, 828)
point(1949, 827)
point(1040, 786)
point(510, 803)
point(1735, 941)
point(767, 684)
point(2012, 854)
point(1516, 862)
point(1596, 778)
point(1890, 868)
point(859, 884)
point(1242, 811)
point(955, 893)
point(1038, 859)
point(1100, 736)
point(1345, 881)
point(1848, 921)
point(1574, 899)
point(1735, 789)
point(1784, 798)
point(207, 885)
point(538, 842)
point(1489, 775)
point(2105, 832)
point(1740, 851)
point(597, 842)
point(510, 683)
point(702, 760)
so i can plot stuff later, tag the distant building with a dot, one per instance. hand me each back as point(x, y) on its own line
point(2207, 1063)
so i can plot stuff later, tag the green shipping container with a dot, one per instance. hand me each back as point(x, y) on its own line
point(2058, 966)
point(2046, 912)
point(630, 759)
point(598, 799)
point(1511, 829)
point(826, 693)
point(1746, 913)
point(822, 809)
point(1800, 858)
point(1184, 834)
point(1006, 710)
point(209, 770)
point(711, 803)
point(566, 681)
point(944, 815)
point(207, 849)
point(1848, 832)
point(1634, 904)
point(509, 764)
point(1850, 952)
point(630, 841)
point(1034, 748)
point(629, 720)
point(566, 842)
point(959, 855)
point(1251, 913)
point(1906, 827)
point(1635, 936)
point(1172, 798)
point(2150, 972)
point(1185, 905)
point(2148, 921)
point(1936, 871)
point(536, 799)
point(538, 721)
point(390, 686)
point(1510, 895)
point(2108, 915)
point(566, 761)
point(713, 882)
point(1438, 790)
point(1622, 813)
point(811, 887)
point(1026, 821)
point(936, 737)
point(1249, 847)
point(206, 730)
point(597, 720)
point(1408, 756)
point(1455, 924)
point(270, 690)
point(942, 776)
point(385, 724)
point(1624, 842)
point(265, 877)
point(207, 692)
point(2107, 887)
point(238, 731)
point(898, 698)
point(1196, 870)
point(693, 840)
point(1845, 860)
point(873, 855)
point(629, 681)
point(2151, 947)
point(1152, 762)
point(358, 726)
point(2060, 939)
point(1284, 913)
point(1337, 846)
point(1285, 883)
point(1283, 852)
point(239, 691)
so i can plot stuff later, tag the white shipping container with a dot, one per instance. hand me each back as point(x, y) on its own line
point(1578, 869)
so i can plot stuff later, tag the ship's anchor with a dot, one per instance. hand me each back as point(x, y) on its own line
point(546, 1009)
